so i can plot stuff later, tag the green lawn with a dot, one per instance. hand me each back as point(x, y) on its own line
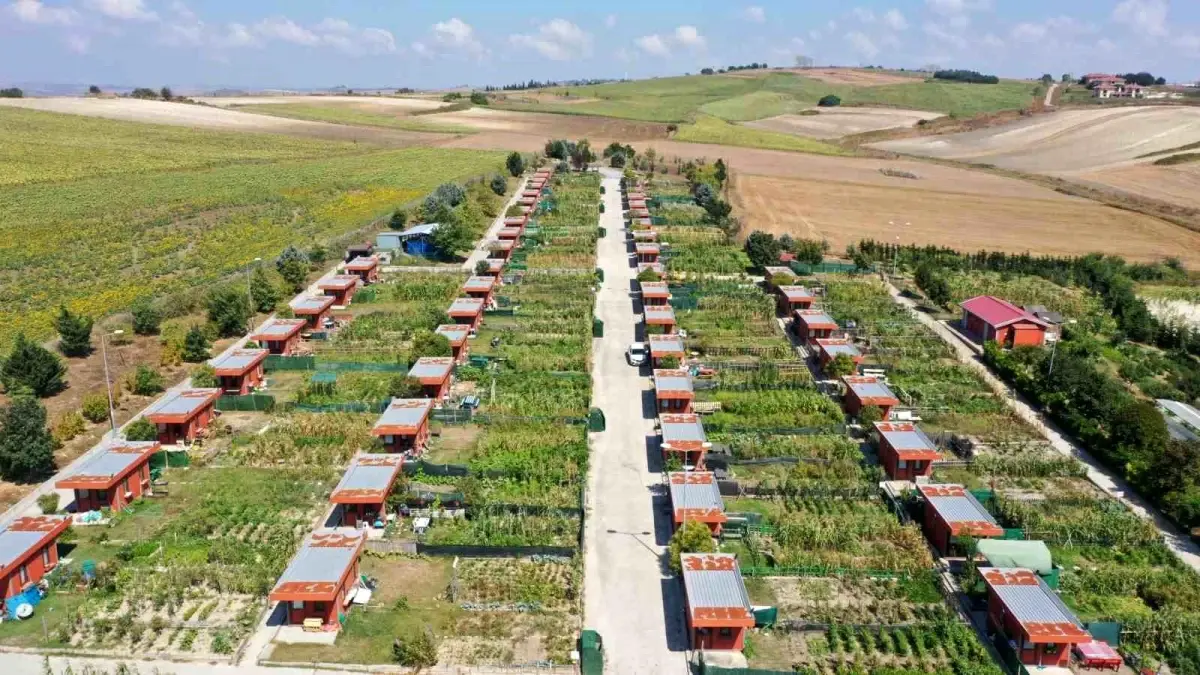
point(350, 113)
point(709, 129)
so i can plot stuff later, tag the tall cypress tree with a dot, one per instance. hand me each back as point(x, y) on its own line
point(26, 446)
point(74, 332)
point(33, 368)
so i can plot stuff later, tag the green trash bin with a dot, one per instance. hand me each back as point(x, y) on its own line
point(601, 233)
point(597, 328)
point(591, 653)
point(596, 420)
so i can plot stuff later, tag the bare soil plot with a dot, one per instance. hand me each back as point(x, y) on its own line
point(838, 122)
point(212, 117)
point(540, 126)
point(1179, 185)
point(948, 214)
point(1065, 142)
point(854, 76)
point(399, 104)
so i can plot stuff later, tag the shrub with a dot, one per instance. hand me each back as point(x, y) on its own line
point(146, 318)
point(829, 101)
point(840, 365)
point(33, 368)
point(204, 377)
point(263, 291)
point(145, 381)
point(221, 644)
point(48, 502)
point(499, 185)
point(430, 344)
point(970, 76)
point(418, 650)
point(95, 407)
point(479, 98)
point(403, 386)
point(481, 268)
point(26, 446)
point(68, 426)
point(74, 333)
point(195, 345)
point(141, 429)
point(692, 537)
point(870, 414)
point(399, 219)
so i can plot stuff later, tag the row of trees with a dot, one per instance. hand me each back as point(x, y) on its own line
point(12, 92)
point(970, 76)
point(147, 93)
point(764, 249)
point(539, 84)
point(578, 153)
point(749, 66)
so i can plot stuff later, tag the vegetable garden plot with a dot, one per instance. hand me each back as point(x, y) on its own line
point(707, 257)
point(820, 447)
point(852, 600)
point(504, 530)
point(725, 319)
point(771, 409)
point(543, 584)
point(304, 439)
point(541, 394)
point(802, 476)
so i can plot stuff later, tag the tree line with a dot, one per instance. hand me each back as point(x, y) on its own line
point(543, 84)
point(970, 76)
point(749, 66)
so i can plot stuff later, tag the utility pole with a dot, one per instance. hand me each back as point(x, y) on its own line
point(112, 422)
point(249, 289)
point(1053, 351)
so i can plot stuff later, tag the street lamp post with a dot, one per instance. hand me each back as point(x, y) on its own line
point(249, 289)
point(112, 421)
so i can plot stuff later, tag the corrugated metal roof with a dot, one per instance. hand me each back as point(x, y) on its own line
point(429, 367)
point(183, 402)
point(834, 347)
point(666, 344)
point(997, 312)
point(278, 329)
point(1032, 602)
point(453, 332)
point(339, 281)
point(905, 436)
point(479, 283)
point(405, 412)
point(676, 428)
point(654, 288)
point(660, 315)
point(318, 562)
point(814, 317)
point(695, 490)
point(956, 505)
point(23, 534)
point(423, 229)
point(868, 387)
point(794, 293)
point(311, 304)
point(112, 460)
point(369, 473)
point(713, 581)
point(647, 248)
point(239, 359)
point(672, 381)
point(466, 306)
point(363, 263)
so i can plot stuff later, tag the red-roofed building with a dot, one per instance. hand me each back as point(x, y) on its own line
point(28, 550)
point(404, 425)
point(318, 582)
point(113, 477)
point(810, 324)
point(314, 310)
point(647, 252)
point(792, 298)
point(673, 392)
point(340, 287)
point(457, 335)
point(466, 312)
point(864, 391)
point(716, 601)
point(239, 371)
point(434, 373)
point(695, 497)
point(280, 336)
point(479, 287)
point(987, 318)
point(951, 511)
point(905, 452)
point(1023, 609)
point(183, 415)
point(655, 293)
point(829, 349)
point(363, 491)
point(366, 268)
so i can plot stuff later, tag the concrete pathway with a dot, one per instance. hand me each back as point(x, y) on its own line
point(1097, 473)
point(493, 232)
point(635, 606)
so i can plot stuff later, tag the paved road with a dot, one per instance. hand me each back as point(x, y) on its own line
point(636, 608)
point(1097, 473)
point(481, 251)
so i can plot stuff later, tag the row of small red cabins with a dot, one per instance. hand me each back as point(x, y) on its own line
point(318, 581)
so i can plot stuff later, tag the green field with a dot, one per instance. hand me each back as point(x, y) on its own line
point(195, 207)
point(678, 99)
point(343, 113)
point(709, 129)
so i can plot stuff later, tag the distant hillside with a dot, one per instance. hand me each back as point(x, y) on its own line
point(752, 95)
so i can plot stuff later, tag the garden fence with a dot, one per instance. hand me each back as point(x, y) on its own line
point(249, 403)
point(352, 407)
point(280, 362)
point(805, 269)
point(495, 551)
point(173, 459)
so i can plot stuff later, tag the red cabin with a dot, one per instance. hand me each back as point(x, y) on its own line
point(434, 373)
point(778, 277)
point(695, 497)
point(639, 224)
point(457, 335)
point(645, 236)
point(792, 298)
point(280, 336)
point(865, 391)
point(363, 491)
point(404, 425)
point(639, 212)
point(340, 287)
point(495, 266)
point(828, 349)
point(466, 312)
point(479, 287)
point(112, 478)
point(516, 221)
point(322, 578)
point(660, 315)
point(655, 293)
point(673, 391)
point(183, 415)
point(314, 310)
point(508, 233)
point(239, 371)
point(951, 511)
point(683, 435)
point(28, 550)
point(501, 248)
point(716, 602)
point(527, 201)
point(663, 347)
point(531, 193)
point(905, 452)
point(647, 252)
point(810, 324)
point(1023, 609)
point(366, 268)
point(989, 318)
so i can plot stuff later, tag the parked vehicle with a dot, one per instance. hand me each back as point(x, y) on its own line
point(637, 353)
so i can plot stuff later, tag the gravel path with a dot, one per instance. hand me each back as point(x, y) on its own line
point(1097, 473)
point(637, 609)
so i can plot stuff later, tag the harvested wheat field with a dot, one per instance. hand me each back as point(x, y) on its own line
point(212, 117)
point(400, 104)
point(852, 76)
point(955, 214)
point(1065, 142)
point(837, 122)
point(1179, 184)
point(541, 126)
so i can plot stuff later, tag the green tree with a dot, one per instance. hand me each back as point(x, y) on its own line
point(95, 407)
point(195, 345)
point(146, 318)
point(808, 251)
point(146, 381)
point(403, 386)
point(829, 101)
point(1067, 79)
point(692, 537)
point(720, 171)
point(762, 249)
point(204, 377)
point(515, 164)
point(582, 155)
point(430, 344)
point(74, 332)
point(26, 445)
point(93, 90)
point(1140, 435)
point(452, 236)
point(228, 310)
point(264, 292)
point(399, 220)
point(34, 368)
point(840, 365)
point(166, 94)
point(617, 161)
point(294, 273)
point(482, 268)
point(647, 275)
point(140, 429)
point(498, 185)
point(933, 284)
point(870, 414)
point(718, 209)
point(479, 98)
point(417, 649)
point(11, 92)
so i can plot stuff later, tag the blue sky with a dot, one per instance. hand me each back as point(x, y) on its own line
point(361, 43)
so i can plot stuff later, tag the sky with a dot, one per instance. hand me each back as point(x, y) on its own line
point(448, 43)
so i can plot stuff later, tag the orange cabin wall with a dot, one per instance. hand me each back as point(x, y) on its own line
point(36, 568)
point(328, 611)
point(936, 531)
point(891, 464)
point(402, 443)
point(674, 405)
point(1003, 622)
point(241, 384)
point(171, 433)
point(114, 499)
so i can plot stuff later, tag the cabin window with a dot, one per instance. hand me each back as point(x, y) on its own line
point(319, 606)
point(84, 493)
point(46, 557)
point(725, 632)
point(297, 604)
point(902, 464)
point(24, 574)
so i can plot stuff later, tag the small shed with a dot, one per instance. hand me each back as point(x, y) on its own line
point(183, 415)
point(516, 221)
point(864, 391)
point(366, 268)
point(495, 266)
point(655, 293)
point(1023, 609)
point(340, 287)
point(716, 601)
point(660, 315)
point(28, 551)
point(501, 248)
point(645, 235)
point(778, 276)
point(683, 436)
point(359, 251)
point(695, 497)
point(951, 511)
point(479, 287)
point(404, 425)
point(665, 346)
point(239, 371)
point(986, 318)
point(508, 233)
point(810, 324)
point(673, 392)
point(457, 334)
point(792, 298)
point(905, 451)
point(280, 336)
point(320, 579)
point(363, 491)
point(828, 349)
point(114, 477)
point(641, 223)
point(1030, 554)
point(647, 252)
point(527, 201)
point(313, 309)
point(434, 374)
point(466, 311)
point(416, 240)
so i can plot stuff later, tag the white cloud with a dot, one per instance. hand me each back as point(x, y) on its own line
point(1148, 17)
point(690, 37)
point(1105, 45)
point(992, 41)
point(421, 49)
point(237, 35)
point(133, 10)
point(558, 40)
point(610, 21)
point(814, 34)
point(831, 26)
point(184, 29)
point(653, 44)
point(78, 44)
point(33, 11)
point(1029, 32)
point(950, 7)
point(755, 13)
point(285, 30)
point(457, 35)
point(862, 44)
point(959, 22)
point(1188, 43)
point(623, 55)
point(1055, 27)
point(864, 15)
point(895, 20)
point(940, 33)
